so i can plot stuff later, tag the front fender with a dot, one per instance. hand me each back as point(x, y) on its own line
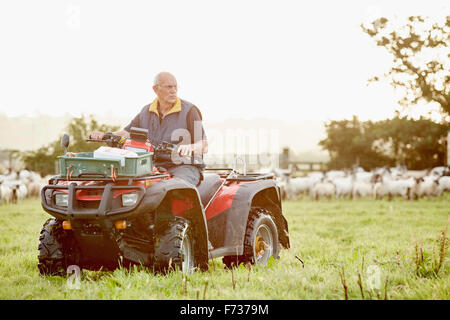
point(159, 197)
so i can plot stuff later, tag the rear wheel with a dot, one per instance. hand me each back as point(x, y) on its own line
point(56, 249)
point(175, 247)
point(260, 242)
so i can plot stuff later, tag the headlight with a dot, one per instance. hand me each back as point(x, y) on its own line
point(61, 199)
point(129, 199)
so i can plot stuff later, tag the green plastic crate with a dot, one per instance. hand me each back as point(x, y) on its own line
point(86, 165)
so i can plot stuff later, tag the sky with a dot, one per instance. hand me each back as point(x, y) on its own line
point(287, 60)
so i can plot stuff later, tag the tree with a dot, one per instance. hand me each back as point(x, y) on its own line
point(418, 144)
point(349, 143)
point(421, 50)
point(43, 159)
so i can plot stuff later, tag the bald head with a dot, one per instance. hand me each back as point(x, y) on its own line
point(166, 88)
point(160, 77)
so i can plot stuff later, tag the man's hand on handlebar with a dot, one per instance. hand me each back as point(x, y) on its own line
point(185, 149)
point(200, 147)
point(97, 135)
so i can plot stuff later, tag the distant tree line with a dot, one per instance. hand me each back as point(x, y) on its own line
point(43, 159)
point(417, 144)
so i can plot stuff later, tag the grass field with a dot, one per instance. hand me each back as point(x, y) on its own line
point(392, 247)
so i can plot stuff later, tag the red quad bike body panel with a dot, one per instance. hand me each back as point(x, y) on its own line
point(134, 144)
point(223, 199)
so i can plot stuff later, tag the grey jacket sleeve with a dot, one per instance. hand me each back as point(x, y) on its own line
point(195, 125)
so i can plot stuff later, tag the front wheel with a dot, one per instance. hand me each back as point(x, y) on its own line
point(260, 242)
point(175, 247)
point(56, 248)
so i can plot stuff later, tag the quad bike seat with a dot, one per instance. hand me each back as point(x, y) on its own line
point(210, 183)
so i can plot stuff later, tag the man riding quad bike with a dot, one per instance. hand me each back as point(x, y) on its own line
point(118, 212)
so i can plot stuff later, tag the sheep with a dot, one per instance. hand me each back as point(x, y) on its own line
point(34, 188)
point(362, 189)
point(363, 176)
point(417, 174)
point(316, 175)
point(296, 186)
point(24, 175)
point(443, 184)
point(395, 172)
point(440, 171)
point(344, 187)
point(323, 189)
point(19, 191)
point(6, 194)
point(402, 187)
point(281, 173)
point(391, 187)
point(426, 186)
point(333, 174)
point(379, 190)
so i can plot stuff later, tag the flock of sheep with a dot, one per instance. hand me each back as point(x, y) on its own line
point(378, 183)
point(16, 186)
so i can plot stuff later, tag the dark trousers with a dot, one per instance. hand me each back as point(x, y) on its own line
point(188, 173)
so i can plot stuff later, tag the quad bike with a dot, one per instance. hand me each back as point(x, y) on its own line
point(106, 215)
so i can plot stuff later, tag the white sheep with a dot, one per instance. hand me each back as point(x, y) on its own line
point(426, 186)
point(19, 190)
point(344, 186)
point(316, 175)
point(334, 174)
point(416, 174)
point(393, 187)
point(362, 189)
point(6, 194)
point(34, 188)
point(323, 189)
point(297, 186)
point(440, 171)
point(443, 184)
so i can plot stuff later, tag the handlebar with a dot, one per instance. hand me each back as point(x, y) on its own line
point(165, 151)
point(110, 139)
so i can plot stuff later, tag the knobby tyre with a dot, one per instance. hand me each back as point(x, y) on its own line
point(56, 249)
point(175, 247)
point(260, 240)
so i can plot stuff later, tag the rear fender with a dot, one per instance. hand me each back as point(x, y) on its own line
point(270, 200)
point(227, 229)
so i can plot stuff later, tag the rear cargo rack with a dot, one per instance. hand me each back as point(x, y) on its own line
point(241, 177)
point(249, 177)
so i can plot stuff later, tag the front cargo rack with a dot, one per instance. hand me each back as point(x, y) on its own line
point(54, 180)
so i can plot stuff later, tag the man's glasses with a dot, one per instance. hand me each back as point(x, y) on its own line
point(168, 87)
